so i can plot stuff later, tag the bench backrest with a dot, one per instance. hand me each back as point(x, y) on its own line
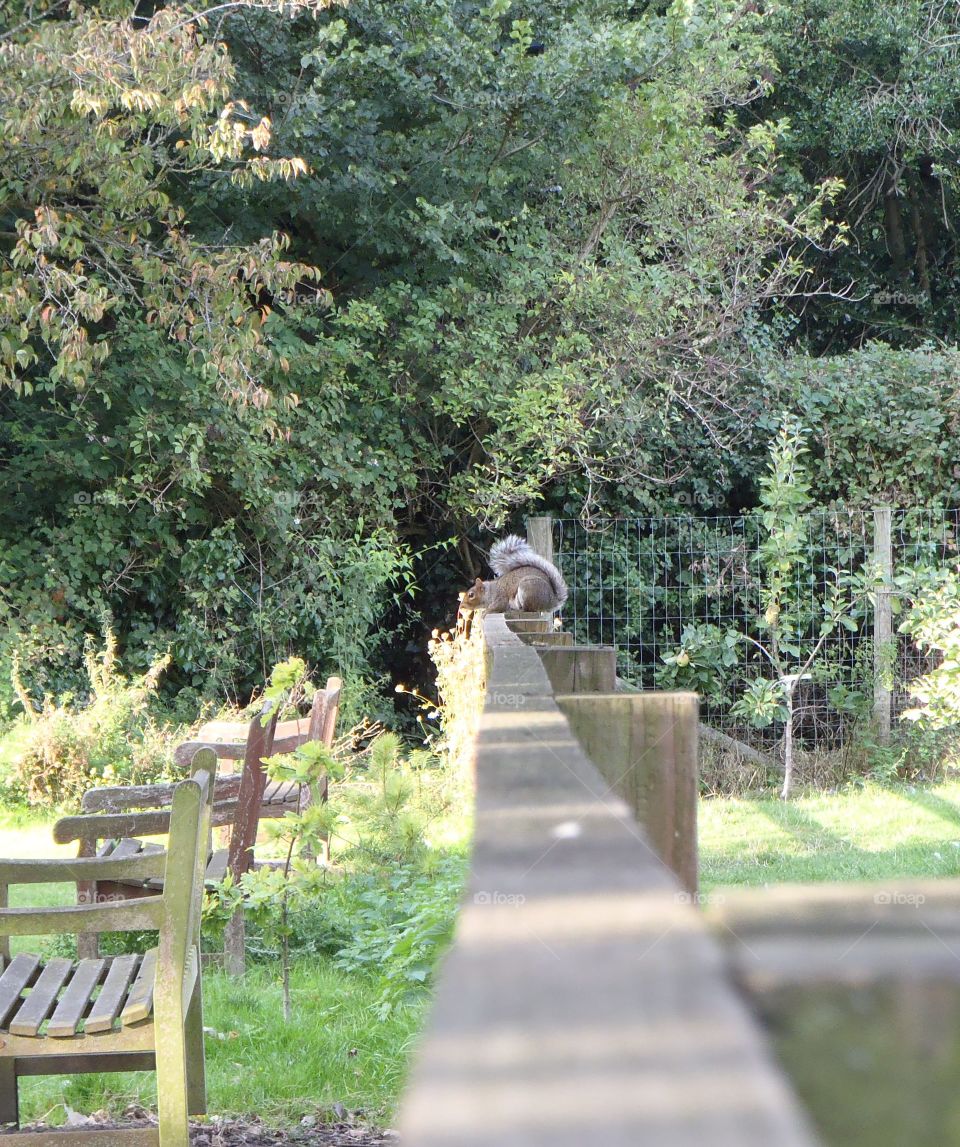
point(229, 739)
point(238, 797)
point(175, 914)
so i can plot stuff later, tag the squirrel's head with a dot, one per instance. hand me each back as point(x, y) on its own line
point(473, 597)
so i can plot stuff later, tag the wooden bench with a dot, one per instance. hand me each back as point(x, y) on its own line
point(114, 821)
point(124, 1013)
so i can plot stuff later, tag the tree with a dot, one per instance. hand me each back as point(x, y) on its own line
point(872, 97)
point(105, 114)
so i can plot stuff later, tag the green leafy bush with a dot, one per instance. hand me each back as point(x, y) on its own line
point(109, 737)
point(933, 620)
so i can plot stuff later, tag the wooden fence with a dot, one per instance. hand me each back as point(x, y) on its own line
point(589, 999)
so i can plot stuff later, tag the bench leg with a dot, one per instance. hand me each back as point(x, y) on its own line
point(196, 1067)
point(88, 943)
point(8, 1091)
point(234, 944)
point(174, 1129)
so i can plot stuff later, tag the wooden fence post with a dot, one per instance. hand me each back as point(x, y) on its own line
point(540, 536)
point(882, 622)
point(645, 746)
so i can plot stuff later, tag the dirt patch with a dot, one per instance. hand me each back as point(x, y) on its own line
point(220, 1131)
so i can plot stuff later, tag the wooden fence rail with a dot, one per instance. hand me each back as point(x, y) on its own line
point(584, 1000)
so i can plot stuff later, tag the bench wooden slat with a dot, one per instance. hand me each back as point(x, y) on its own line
point(64, 1013)
point(140, 1000)
point(106, 1007)
point(131, 846)
point(216, 866)
point(15, 978)
point(283, 793)
point(73, 1002)
point(40, 1001)
point(271, 790)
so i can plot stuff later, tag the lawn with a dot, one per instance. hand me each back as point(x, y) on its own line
point(870, 833)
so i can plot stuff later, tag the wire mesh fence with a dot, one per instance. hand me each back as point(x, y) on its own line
point(683, 600)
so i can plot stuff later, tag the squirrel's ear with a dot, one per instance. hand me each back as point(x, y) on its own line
point(478, 582)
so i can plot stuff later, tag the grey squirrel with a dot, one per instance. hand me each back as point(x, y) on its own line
point(524, 580)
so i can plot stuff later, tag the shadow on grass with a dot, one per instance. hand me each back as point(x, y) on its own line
point(939, 806)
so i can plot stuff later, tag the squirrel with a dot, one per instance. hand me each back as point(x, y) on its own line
point(524, 581)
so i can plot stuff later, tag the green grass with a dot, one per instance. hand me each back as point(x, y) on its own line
point(13, 741)
point(871, 833)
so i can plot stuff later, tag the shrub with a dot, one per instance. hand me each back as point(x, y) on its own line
point(111, 736)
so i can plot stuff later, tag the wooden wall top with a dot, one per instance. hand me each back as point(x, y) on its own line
point(583, 1002)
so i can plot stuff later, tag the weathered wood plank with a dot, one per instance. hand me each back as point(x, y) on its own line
point(217, 866)
point(580, 668)
point(39, 1003)
point(270, 791)
point(554, 637)
point(252, 784)
point(119, 825)
point(85, 1137)
point(139, 1002)
point(73, 1003)
point(747, 752)
point(130, 916)
point(860, 987)
point(106, 1007)
point(518, 622)
point(131, 846)
point(645, 745)
point(119, 798)
point(79, 868)
point(16, 976)
point(234, 750)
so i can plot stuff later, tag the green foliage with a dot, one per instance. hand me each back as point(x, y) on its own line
point(701, 662)
point(883, 424)
point(401, 927)
point(371, 815)
point(109, 736)
point(871, 94)
point(562, 249)
point(198, 529)
point(104, 113)
point(933, 620)
point(761, 703)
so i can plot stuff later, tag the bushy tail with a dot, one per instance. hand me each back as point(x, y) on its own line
point(512, 552)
